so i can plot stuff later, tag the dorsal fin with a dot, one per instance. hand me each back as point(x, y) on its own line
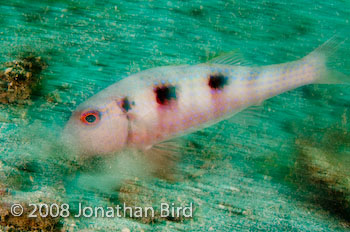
point(234, 57)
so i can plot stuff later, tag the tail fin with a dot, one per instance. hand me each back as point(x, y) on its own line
point(327, 55)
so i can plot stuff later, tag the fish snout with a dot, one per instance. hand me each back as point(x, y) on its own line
point(108, 135)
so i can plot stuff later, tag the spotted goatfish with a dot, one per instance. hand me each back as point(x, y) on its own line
point(153, 106)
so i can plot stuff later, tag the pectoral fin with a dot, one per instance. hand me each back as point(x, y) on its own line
point(163, 158)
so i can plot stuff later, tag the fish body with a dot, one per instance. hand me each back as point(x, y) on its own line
point(161, 103)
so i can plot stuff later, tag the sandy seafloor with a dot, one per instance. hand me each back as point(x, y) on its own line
point(283, 165)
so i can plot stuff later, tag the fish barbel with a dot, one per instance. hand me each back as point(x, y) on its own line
point(161, 103)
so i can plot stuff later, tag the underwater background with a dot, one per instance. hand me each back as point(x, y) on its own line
point(283, 165)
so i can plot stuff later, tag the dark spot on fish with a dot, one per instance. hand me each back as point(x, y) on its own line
point(217, 81)
point(125, 104)
point(164, 94)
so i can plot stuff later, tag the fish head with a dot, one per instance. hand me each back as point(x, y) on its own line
point(97, 127)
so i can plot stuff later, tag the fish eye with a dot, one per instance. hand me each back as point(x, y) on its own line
point(90, 117)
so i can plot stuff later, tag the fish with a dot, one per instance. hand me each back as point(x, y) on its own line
point(147, 109)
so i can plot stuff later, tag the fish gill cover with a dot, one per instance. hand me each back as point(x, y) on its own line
point(282, 165)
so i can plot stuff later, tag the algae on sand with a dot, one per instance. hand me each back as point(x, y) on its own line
point(20, 80)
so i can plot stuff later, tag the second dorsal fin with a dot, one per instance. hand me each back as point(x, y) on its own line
point(234, 57)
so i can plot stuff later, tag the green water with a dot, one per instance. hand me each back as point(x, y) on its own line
point(256, 171)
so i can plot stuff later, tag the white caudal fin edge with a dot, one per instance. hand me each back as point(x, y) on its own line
point(326, 54)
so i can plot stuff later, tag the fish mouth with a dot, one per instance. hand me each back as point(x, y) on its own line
point(76, 147)
point(68, 140)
